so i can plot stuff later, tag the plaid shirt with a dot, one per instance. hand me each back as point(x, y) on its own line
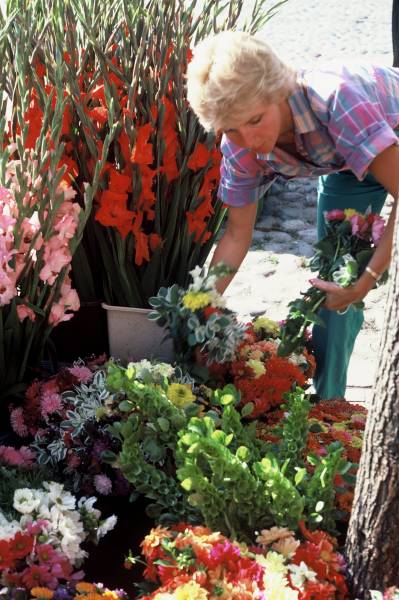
point(343, 118)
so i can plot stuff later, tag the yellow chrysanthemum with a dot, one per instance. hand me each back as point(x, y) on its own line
point(257, 367)
point(110, 594)
point(84, 586)
point(94, 596)
point(350, 212)
point(42, 593)
point(191, 591)
point(270, 326)
point(196, 300)
point(180, 394)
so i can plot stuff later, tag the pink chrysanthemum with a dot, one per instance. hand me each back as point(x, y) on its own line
point(17, 421)
point(23, 457)
point(83, 374)
point(50, 403)
point(103, 484)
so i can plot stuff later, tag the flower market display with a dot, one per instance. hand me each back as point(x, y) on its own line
point(108, 193)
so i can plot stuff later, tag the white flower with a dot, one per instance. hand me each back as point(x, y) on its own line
point(106, 526)
point(276, 587)
point(299, 574)
point(88, 503)
point(25, 501)
point(56, 494)
point(8, 528)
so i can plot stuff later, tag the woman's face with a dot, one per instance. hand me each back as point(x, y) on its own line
point(262, 127)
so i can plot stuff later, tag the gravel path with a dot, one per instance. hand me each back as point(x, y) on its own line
point(274, 271)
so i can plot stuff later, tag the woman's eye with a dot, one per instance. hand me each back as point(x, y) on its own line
point(255, 120)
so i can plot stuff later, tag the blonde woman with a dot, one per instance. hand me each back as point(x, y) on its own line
point(337, 122)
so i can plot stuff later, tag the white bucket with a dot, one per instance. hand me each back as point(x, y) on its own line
point(132, 336)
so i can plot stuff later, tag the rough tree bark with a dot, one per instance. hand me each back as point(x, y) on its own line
point(395, 32)
point(372, 546)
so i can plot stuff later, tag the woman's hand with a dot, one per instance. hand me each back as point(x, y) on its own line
point(338, 298)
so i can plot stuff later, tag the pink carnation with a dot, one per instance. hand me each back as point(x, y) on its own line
point(50, 403)
point(17, 422)
point(335, 215)
point(103, 484)
point(83, 374)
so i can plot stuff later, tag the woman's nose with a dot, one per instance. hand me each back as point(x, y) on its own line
point(240, 138)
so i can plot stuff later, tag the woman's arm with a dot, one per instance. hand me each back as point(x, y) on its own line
point(385, 168)
point(236, 240)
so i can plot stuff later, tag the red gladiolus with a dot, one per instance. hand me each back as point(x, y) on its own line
point(141, 247)
point(113, 212)
point(118, 182)
point(199, 158)
point(155, 240)
point(142, 151)
point(99, 114)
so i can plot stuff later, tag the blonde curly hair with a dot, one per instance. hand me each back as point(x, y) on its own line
point(230, 73)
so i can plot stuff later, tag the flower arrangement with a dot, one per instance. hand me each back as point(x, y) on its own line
point(81, 590)
point(41, 540)
point(196, 319)
point(261, 376)
point(195, 562)
point(341, 256)
point(68, 416)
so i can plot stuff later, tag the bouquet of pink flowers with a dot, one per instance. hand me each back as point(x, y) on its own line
point(341, 256)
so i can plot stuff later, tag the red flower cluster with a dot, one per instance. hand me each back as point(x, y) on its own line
point(25, 562)
point(266, 386)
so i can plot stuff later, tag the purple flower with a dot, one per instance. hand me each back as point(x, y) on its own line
point(103, 484)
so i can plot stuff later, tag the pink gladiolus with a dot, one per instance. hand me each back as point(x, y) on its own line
point(24, 311)
point(377, 229)
point(335, 215)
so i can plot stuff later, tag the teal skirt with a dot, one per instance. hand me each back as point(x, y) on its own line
point(333, 344)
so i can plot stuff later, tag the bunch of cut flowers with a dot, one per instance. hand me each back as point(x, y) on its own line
point(42, 533)
point(195, 562)
point(341, 256)
point(80, 590)
point(196, 318)
point(66, 417)
point(256, 370)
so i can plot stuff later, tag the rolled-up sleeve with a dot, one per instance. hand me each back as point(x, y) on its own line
point(359, 127)
point(243, 178)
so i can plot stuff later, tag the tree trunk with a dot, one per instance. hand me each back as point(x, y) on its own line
point(395, 32)
point(372, 546)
